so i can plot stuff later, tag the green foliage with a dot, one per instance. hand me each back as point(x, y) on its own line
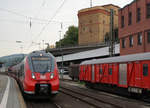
point(70, 38)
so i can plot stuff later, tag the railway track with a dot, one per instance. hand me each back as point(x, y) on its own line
point(111, 99)
point(91, 100)
point(41, 104)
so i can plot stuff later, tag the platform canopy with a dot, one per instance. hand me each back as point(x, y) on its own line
point(99, 52)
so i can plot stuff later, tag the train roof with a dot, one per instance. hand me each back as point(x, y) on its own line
point(38, 53)
point(119, 59)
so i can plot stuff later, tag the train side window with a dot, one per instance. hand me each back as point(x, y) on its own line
point(22, 70)
point(22, 67)
point(100, 71)
point(145, 69)
point(110, 71)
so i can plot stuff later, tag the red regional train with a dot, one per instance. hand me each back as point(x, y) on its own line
point(129, 74)
point(37, 74)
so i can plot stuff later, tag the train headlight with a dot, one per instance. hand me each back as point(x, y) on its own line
point(51, 75)
point(33, 76)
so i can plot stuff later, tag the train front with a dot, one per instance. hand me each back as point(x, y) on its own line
point(41, 74)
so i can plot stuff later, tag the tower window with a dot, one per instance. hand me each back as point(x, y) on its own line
point(139, 38)
point(148, 10)
point(122, 21)
point(131, 41)
point(130, 18)
point(138, 14)
point(123, 43)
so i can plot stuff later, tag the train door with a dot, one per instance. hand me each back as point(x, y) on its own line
point(146, 74)
point(81, 75)
point(101, 73)
point(138, 74)
point(123, 75)
point(93, 73)
point(96, 68)
point(105, 73)
point(131, 74)
point(110, 73)
point(89, 72)
point(86, 72)
point(115, 74)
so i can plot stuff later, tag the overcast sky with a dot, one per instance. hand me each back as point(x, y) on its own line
point(27, 21)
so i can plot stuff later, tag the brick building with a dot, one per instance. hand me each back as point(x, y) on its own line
point(94, 23)
point(134, 27)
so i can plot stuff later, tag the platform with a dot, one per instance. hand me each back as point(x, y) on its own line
point(64, 77)
point(10, 95)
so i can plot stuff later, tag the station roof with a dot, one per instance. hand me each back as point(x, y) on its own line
point(99, 52)
point(119, 59)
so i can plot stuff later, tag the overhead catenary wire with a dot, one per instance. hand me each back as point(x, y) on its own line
point(49, 21)
point(25, 16)
point(11, 41)
point(35, 19)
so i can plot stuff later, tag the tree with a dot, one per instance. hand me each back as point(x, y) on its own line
point(70, 38)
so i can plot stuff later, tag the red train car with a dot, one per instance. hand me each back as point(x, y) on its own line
point(130, 72)
point(38, 74)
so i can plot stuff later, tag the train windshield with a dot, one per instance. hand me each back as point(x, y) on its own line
point(41, 64)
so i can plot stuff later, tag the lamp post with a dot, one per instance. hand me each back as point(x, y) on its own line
point(62, 64)
point(43, 44)
point(90, 3)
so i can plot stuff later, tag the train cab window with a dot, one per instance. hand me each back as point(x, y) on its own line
point(110, 71)
point(145, 69)
point(42, 64)
point(100, 71)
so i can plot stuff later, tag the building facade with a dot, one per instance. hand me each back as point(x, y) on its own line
point(94, 23)
point(134, 27)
